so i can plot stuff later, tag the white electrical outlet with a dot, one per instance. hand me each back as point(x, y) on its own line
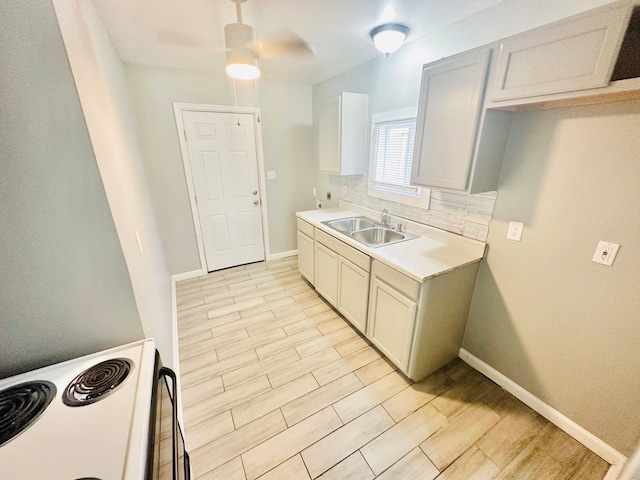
point(271, 175)
point(514, 232)
point(605, 253)
point(345, 190)
point(318, 203)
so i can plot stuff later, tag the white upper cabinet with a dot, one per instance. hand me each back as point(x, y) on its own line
point(449, 115)
point(343, 134)
point(571, 55)
point(587, 59)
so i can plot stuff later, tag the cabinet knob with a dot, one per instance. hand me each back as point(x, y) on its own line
point(255, 192)
point(256, 202)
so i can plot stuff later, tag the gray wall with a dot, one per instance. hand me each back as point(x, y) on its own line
point(64, 289)
point(564, 328)
point(99, 80)
point(544, 315)
point(287, 135)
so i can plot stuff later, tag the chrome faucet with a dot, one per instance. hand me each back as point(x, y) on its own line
point(384, 218)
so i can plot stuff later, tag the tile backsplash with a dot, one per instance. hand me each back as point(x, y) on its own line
point(466, 215)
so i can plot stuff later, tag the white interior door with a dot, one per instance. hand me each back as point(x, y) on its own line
point(224, 166)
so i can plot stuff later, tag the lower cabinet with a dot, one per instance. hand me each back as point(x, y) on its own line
point(305, 250)
point(327, 273)
point(391, 321)
point(353, 293)
point(418, 325)
point(342, 277)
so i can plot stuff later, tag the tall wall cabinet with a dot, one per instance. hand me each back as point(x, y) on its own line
point(342, 134)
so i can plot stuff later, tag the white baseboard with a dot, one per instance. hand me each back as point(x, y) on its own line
point(187, 275)
point(276, 256)
point(588, 439)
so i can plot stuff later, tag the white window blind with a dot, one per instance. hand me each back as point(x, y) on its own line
point(391, 154)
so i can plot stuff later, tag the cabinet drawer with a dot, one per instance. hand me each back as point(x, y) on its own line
point(305, 227)
point(328, 241)
point(354, 255)
point(400, 282)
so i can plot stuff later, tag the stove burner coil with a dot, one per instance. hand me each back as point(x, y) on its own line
point(21, 405)
point(97, 382)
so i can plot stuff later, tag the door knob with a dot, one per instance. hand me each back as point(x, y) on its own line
point(256, 202)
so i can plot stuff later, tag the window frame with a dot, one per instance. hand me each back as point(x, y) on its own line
point(422, 196)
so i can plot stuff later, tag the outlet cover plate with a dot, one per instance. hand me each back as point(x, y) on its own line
point(605, 253)
point(514, 232)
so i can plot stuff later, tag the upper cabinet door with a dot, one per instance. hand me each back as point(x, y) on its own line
point(343, 134)
point(566, 56)
point(450, 103)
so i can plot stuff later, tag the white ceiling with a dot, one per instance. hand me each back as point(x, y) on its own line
point(189, 33)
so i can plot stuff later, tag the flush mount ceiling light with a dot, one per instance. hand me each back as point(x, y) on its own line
point(389, 37)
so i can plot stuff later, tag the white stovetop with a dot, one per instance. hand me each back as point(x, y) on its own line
point(433, 253)
point(105, 440)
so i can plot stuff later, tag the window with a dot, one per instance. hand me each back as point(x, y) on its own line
point(392, 139)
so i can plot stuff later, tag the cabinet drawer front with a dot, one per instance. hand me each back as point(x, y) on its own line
point(305, 227)
point(404, 284)
point(574, 55)
point(328, 241)
point(355, 256)
point(347, 251)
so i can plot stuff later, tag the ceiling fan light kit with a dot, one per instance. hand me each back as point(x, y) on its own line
point(242, 61)
point(389, 37)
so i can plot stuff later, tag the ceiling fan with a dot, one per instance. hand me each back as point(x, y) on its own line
point(244, 50)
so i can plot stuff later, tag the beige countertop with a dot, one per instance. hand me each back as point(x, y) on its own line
point(433, 253)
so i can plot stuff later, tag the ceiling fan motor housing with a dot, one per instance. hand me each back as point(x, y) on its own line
point(238, 37)
point(241, 58)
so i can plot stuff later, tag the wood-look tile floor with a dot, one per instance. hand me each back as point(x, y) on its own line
point(277, 385)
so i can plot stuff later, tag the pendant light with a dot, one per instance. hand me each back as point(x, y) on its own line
point(242, 61)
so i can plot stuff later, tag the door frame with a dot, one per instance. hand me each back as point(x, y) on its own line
point(178, 109)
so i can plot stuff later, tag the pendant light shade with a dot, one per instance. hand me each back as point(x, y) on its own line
point(389, 37)
point(242, 61)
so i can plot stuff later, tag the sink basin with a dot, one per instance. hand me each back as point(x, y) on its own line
point(368, 232)
point(377, 236)
point(351, 224)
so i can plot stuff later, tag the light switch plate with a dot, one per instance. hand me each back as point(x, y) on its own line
point(514, 232)
point(605, 253)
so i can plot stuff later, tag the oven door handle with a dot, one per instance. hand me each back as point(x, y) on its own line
point(167, 372)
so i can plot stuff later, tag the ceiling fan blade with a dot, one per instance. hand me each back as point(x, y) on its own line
point(282, 44)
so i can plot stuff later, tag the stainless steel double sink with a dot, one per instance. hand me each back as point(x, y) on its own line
point(368, 232)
